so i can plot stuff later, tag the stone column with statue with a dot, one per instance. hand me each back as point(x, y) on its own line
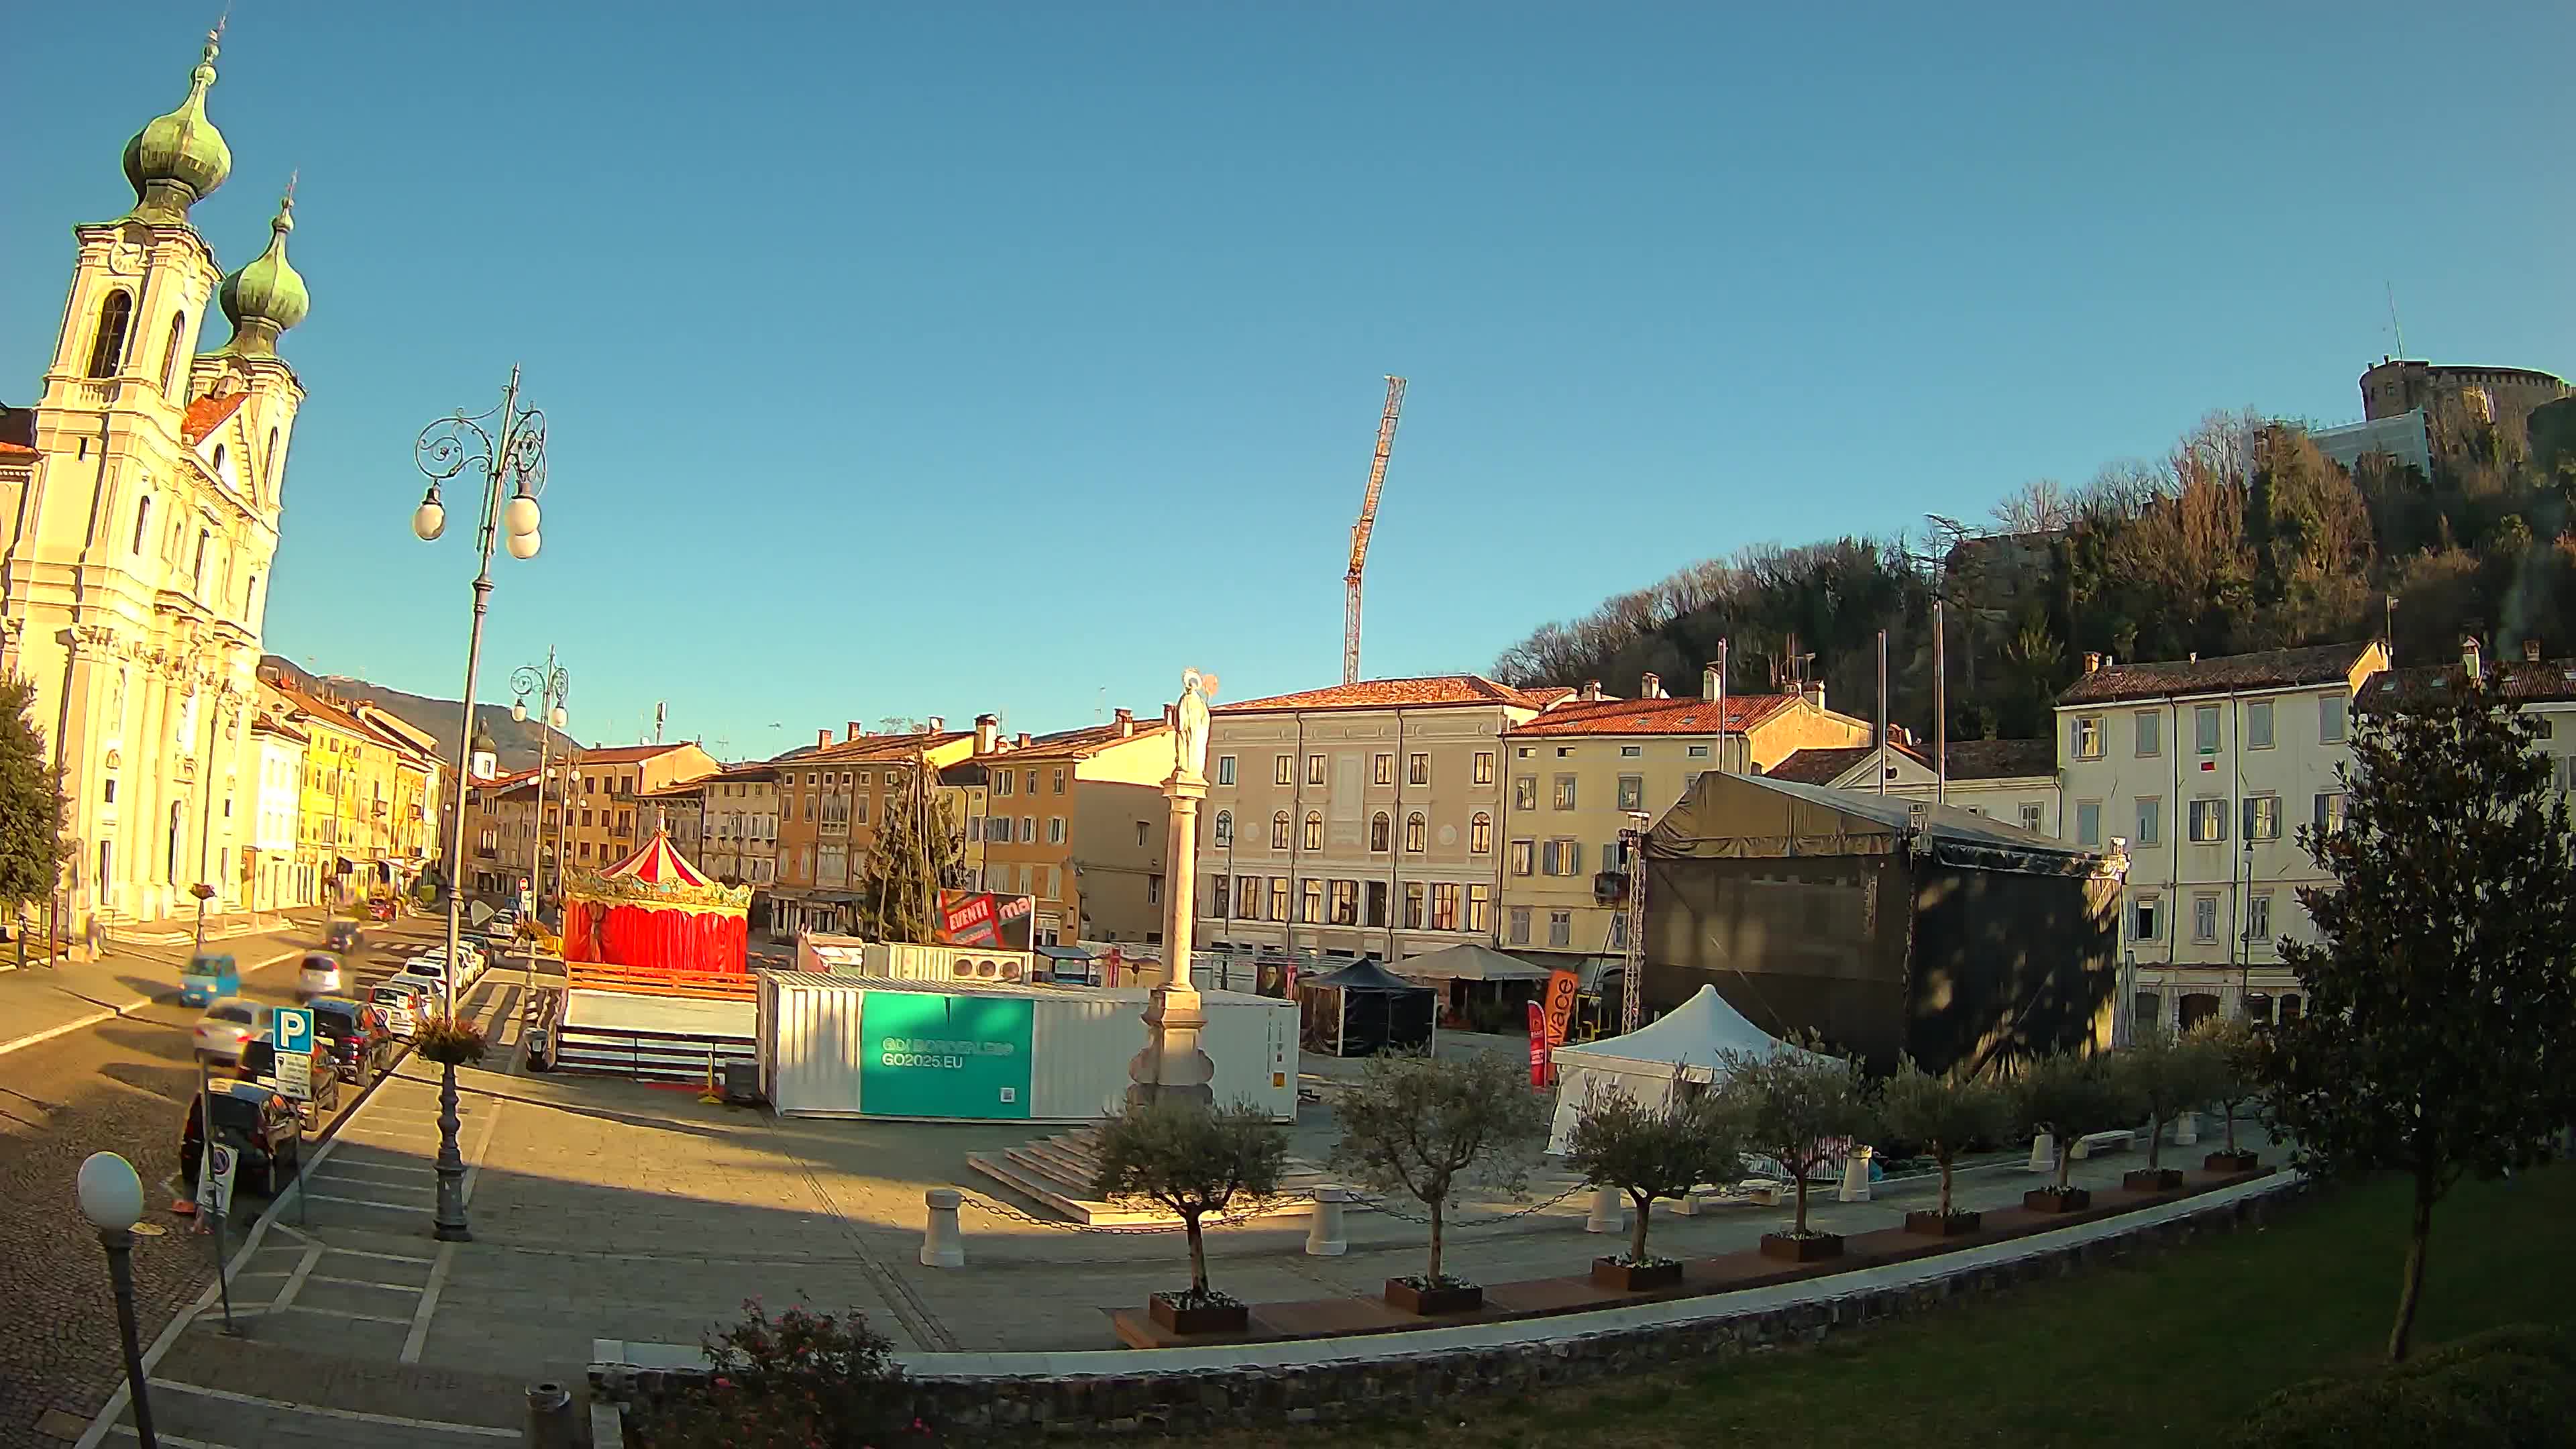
point(1173, 1067)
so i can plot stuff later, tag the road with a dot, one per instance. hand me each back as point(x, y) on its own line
point(119, 1086)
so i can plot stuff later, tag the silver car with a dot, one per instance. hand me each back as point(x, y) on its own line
point(230, 1025)
point(402, 1002)
point(318, 974)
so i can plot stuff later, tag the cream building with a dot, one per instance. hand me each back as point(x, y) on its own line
point(146, 508)
point(276, 880)
point(2014, 781)
point(2207, 768)
point(1359, 820)
point(739, 835)
point(1576, 772)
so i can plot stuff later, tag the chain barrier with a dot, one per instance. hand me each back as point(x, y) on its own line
point(997, 1208)
point(1379, 1204)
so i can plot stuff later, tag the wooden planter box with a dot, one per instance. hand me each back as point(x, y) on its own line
point(2050, 1200)
point(1802, 1250)
point(2152, 1179)
point(1619, 1277)
point(2231, 1162)
point(1935, 1225)
point(1213, 1318)
point(1428, 1302)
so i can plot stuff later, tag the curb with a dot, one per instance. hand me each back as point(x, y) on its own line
point(112, 1013)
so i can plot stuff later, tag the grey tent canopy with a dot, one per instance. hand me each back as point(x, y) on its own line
point(1364, 1009)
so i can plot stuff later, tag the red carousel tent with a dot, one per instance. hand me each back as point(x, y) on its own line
point(653, 911)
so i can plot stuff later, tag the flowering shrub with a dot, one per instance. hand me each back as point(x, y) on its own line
point(446, 1040)
point(801, 1380)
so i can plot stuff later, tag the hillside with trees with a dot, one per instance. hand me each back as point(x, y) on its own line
point(2243, 537)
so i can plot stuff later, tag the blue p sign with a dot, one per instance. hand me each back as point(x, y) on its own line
point(294, 1030)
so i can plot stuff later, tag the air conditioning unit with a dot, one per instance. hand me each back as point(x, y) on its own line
point(952, 965)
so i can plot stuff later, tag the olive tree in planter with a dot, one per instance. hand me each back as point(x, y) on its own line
point(2165, 1075)
point(2236, 1052)
point(2071, 1095)
point(1427, 1126)
point(1947, 1114)
point(1650, 1153)
point(1794, 1104)
point(1197, 1162)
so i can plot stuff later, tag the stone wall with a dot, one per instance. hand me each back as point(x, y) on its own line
point(993, 1406)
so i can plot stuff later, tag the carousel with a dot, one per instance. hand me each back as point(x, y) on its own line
point(655, 912)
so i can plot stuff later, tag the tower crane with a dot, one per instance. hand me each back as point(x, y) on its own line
point(1360, 530)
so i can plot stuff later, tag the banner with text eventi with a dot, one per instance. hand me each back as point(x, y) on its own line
point(930, 1055)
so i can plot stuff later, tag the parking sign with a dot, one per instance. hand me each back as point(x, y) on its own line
point(294, 1031)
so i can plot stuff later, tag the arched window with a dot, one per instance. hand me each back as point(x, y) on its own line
point(1314, 830)
point(142, 522)
point(1380, 829)
point(1480, 834)
point(250, 598)
point(107, 345)
point(1414, 830)
point(1225, 828)
point(270, 465)
point(219, 460)
point(170, 355)
point(1279, 831)
point(178, 821)
point(199, 572)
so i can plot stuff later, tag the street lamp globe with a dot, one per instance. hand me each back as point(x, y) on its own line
point(520, 516)
point(523, 545)
point(429, 520)
point(558, 717)
point(111, 1196)
point(518, 711)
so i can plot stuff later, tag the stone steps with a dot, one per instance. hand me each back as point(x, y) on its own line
point(1056, 1173)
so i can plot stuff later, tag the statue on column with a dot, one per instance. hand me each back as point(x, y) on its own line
point(1190, 740)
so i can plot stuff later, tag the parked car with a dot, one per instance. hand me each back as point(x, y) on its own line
point(537, 1030)
point(321, 1080)
point(230, 1025)
point(255, 1121)
point(342, 937)
point(403, 1000)
point(426, 973)
point(357, 1036)
point(318, 974)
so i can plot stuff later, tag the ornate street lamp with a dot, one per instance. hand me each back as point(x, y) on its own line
point(111, 1197)
point(549, 684)
point(508, 445)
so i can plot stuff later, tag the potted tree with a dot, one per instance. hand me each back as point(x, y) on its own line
point(1427, 1126)
point(1649, 1153)
point(2236, 1051)
point(1196, 1162)
point(1946, 1114)
point(2068, 1095)
point(2166, 1075)
point(1793, 1103)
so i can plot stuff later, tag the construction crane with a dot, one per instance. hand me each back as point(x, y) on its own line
point(1360, 530)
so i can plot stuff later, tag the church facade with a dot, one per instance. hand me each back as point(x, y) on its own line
point(143, 498)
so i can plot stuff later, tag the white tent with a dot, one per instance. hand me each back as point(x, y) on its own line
point(1685, 1044)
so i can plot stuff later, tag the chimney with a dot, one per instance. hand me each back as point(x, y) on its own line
point(1590, 691)
point(2469, 660)
point(822, 738)
point(1815, 694)
point(987, 728)
point(1710, 686)
point(2531, 651)
point(2092, 662)
point(1126, 723)
point(939, 724)
point(1650, 686)
point(855, 731)
point(1022, 742)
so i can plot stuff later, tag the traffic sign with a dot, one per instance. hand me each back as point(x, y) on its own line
point(295, 1076)
point(294, 1031)
point(215, 1182)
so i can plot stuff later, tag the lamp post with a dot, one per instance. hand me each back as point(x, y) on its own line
point(508, 444)
point(549, 685)
point(111, 1197)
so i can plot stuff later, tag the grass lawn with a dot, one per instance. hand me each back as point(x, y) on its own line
point(2172, 1348)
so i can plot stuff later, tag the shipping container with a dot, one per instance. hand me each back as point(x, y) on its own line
point(857, 1046)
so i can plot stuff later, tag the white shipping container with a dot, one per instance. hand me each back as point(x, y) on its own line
point(1082, 1040)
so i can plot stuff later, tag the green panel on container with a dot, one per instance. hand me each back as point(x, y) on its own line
point(930, 1055)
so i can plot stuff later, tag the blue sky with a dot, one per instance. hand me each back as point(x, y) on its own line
point(945, 358)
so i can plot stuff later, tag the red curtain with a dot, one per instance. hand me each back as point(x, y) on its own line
point(642, 939)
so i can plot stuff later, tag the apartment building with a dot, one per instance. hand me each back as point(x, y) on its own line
point(830, 801)
point(679, 810)
point(274, 879)
point(1576, 772)
point(2014, 781)
point(1361, 819)
point(606, 810)
point(2544, 689)
point(738, 832)
point(1079, 822)
point(2206, 768)
point(362, 811)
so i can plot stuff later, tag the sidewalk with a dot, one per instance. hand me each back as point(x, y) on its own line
point(46, 1001)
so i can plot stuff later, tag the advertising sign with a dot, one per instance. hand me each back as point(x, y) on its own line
point(928, 1055)
point(1561, 991)
point(1539, 1063)
point(980, 918)
point(215, 1180)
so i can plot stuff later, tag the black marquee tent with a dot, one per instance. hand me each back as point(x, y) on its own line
point(1362, 1010)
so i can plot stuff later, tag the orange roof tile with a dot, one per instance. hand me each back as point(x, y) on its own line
point(1684, 716)
point(18, 452)
point(1079, 744)
point(1425, 692)
point(877, 747)
point(207, 414)
point(626, 754)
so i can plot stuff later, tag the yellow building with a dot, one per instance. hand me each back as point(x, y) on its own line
point(1079, 822)
point(606, 813)
point(1576, 771)
point(366, 799)
point(830, 800)
point(145, 484)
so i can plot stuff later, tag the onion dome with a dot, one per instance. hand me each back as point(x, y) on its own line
point(175, 160)
point(266, 297)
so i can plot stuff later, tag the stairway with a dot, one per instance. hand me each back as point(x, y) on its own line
point(1056, 1173)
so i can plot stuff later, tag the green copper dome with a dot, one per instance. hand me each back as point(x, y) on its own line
point(175, 160)
point(266, 297)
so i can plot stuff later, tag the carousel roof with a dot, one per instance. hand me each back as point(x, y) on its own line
point(657, 863)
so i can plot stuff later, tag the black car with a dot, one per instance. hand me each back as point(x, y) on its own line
point(256, 1121)
point(343, 937)
point(355, 1036)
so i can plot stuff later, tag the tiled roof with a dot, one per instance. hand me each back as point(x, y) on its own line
point(18, 453)
point(1080, 744)
point(1825, 766)
point(879, 747)
point(2546, 682)
point(1688, 715)
point(207, 414)
point(1428, 691)
point(2270, 669)
point(626, 754)
point(2001, 759)
point(273, 725)
point(753, 770)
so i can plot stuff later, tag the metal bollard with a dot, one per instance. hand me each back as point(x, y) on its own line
point(1609, 1212)
point(550, 1421)
point(1855, 1186)
point(2186, 1129)
point(2043, 1153)
point(1324, 1237)
point(942, 1244)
